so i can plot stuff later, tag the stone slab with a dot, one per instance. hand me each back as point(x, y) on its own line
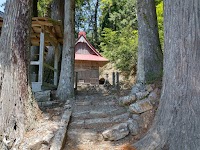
point(116, 132)
point(140, 106)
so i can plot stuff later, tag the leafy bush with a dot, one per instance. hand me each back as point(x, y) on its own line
point(159, 11)
point(120, 47)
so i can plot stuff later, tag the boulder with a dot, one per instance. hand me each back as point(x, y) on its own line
point(142, 95)
point(116, 132)
point(42, 96)
point(133, 127)
point(127, 100)
point(140, 106)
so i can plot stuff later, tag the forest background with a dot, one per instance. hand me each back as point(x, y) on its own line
point(111, 26)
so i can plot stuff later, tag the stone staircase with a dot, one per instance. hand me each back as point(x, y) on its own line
point(99, 123)
point(91, 116)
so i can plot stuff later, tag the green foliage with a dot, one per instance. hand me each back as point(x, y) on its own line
point(81, 14)
point(120, 47)
point(119, 38)
point(118, 14)
point(158, 2)
point(85, 19)
point(44, 8)
point(159, 11)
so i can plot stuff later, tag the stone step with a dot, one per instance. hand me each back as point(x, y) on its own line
point(98, 114)
point(96, 127)
point(96, 103)
point(83, 103)
point(80, 109)
point(99, 122)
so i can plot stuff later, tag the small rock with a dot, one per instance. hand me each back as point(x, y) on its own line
point(140, 106)
point(150, 87)
point(127, 100)
point(135, 117)
point(116, 132)
point(133, 127)
point(142, 95)
point(139, 87)
point(154, 95)
point(67, 106)
point(67, 102)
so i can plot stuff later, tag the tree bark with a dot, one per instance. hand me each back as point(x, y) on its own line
point(66, 83)
point(95, 23)
point(150, 57)
point(176, 125)
point(35, 10)
point(57, 10)
point(18, 110)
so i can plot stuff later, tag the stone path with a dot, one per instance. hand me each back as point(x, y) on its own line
point(90, 117)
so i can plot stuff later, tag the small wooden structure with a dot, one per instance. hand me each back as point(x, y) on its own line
point(87, 61)
point(45, 32)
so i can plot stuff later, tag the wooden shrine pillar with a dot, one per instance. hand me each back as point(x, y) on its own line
point(41, 57)
point(113, 78)
point(56, 59)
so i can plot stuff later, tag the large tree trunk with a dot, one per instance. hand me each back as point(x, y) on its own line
point(66, 83)
point(18, 110)
point(177, 121)
point(150, 57)
point(35, 10)
point(95, 23)
point(57, 10)
point(57, 13)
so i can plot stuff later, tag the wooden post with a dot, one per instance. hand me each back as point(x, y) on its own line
point(41, 57)
point(76, 80)
point(117, 80)
point(113, 79)
point(56, 66)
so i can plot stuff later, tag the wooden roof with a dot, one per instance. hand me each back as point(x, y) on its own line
point(94, 57)
point(53, 31)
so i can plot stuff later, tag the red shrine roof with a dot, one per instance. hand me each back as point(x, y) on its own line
point(93, 55)
point(90, 57)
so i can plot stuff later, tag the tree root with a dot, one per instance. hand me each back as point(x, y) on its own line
point(152, 141)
